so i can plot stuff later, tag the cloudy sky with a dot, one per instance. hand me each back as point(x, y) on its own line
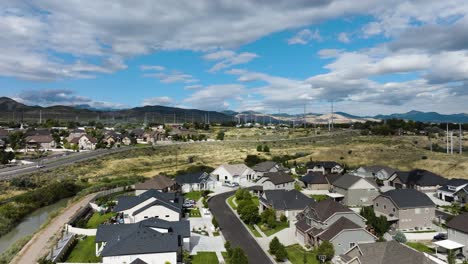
point(367, 56)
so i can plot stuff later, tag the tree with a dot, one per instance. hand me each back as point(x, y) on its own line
point(281, 254)
point(259, 148)
point(220, 135)
point(400, 237)
point(326, 249)
point(17, 140)
point(268, 217)
point(381, 225)
point(215, 223)
point(249, 214)
point(228, 248)
point(274, 245)
point(252, 160)
point(186, 258)
point(266, 148)
point(238, 257)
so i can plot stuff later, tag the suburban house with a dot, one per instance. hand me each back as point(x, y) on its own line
point(381, 173)
point(330, 221)
point(315, 181)
point(406, 209)
point(421, 180)
point(85, 142)
point(239, 173)
point(150, 241)
point(126, 140)
point(160, 183)
point(266, 167)
point(284, 202)
point(43, 142)
point(152, 203)
point(197, 181)
point(140, 135)
point(389, 252)
point(356, 191)
point(457, 231)
point(325, 167)
point(75, 133)
point(452, 189)
point(276, 180)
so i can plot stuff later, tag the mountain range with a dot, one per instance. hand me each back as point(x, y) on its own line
point(11, 110)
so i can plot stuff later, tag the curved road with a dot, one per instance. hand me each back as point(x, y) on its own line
point(234, 231)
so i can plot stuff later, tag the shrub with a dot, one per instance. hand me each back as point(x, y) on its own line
point(283, 218)
point(259, 148)
point(400, 237)
point(266, 148)
point(238, 257)
point(274, 245)
point(326, 249)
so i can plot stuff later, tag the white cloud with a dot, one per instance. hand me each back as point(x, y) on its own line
point(152, 67)
point(343, 37)
point(172, 77)
point(305, 36)
point(216, 97)
point(228, 58)
point(163, 100)
point(193, 87)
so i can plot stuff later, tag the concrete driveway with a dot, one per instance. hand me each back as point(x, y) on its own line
point(200, 243)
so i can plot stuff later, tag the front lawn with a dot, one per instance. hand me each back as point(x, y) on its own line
point(231, 203)
point(84, 251)
point(420, 247)
point(205, 258)
point(279, 226)
point(194, 212)
point(296, 255)
point(97, 219)
point(254, 231)
point(195, 195)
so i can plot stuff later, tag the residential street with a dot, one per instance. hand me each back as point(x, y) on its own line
point(234, 231)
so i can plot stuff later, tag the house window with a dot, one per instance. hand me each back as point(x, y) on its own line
point(352, 244)
point(377, 204)
point(167, 216)
point(384, 207)
point(225, 177)
point(145, 217)
point(394, 210)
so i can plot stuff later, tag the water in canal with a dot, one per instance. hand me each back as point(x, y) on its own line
point(29, 225)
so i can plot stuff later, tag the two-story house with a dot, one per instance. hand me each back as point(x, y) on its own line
point(325, 167)
point(284, 202)
point(377, 172)
point(421, 180)
point(330, 221)
point(315, 181)
point(266, 167)
point(406, 209)
point(357, 191)
point(239, 173)
point(449, 191)
point(457, 231)
point(152, 203)
point(276, 181)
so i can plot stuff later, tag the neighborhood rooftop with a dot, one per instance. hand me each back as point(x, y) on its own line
point(460, 223)
point(286, 200)
point(349, 180)
point(279, 177)
point(159, 182)
point(408, 198)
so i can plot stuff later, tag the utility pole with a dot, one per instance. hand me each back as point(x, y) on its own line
point(447, 139)
point(451, 142)
point(174, 118)
point(460, 135)
point(40, 116)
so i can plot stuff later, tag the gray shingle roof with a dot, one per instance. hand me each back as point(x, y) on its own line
point(349, 180)
point(377, 168)
point(141, 238)
point(459, 222)
point(322, 210)
point(341, 224)
point(127, 202)
point(197, 177)
point(287, 200)
point(158, 183)
point(314, 178)
point(265, 166)
point(235, 169)
point(391, 252)
point(279, 177)
point(421, 178)
point(324, 164)
point(408, 198)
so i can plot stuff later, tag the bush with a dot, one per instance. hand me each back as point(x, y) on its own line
point(259, 148)
point(283, 218)
point(238, 257)
point(215, 222)
point(266, 148)
point(400, 237)
point(274, 245)
point(249, 214)
point(326, 249)
point(277, 249)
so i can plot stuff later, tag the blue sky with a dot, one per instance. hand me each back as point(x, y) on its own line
point(367, 57)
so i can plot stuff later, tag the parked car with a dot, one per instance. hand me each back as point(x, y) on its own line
point(440, 236)
point(188, 204)
point(231, 184)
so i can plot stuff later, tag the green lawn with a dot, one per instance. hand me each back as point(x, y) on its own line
point(319, 197)
point(195, 195)
point(420, 247)
point(230, 201)
point(194, 213)
point(216, 233)
point(296, 255)
point(279, 226)
point(256, 201)
point(254, 231)
point(84, 252)
point(205, 258)
point(98, 218)
point(225, 256)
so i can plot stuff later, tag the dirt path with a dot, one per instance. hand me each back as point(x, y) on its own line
point(41, 242)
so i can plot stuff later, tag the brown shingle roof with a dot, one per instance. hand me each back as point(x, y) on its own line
point(340, 225)
point(158, 183)
point(391, 252)
point(278, 177)
point(324, 209)
point(39, 139)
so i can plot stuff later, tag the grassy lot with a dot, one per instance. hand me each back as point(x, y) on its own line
point(279, 226)
point(319, 197)
point(205, 258)
point(254, 231)
point(84, 252)
point(195, 195)
point(256, 201)
point(195, 212)
point(420, 247)
point(296, 255)
point(98, 218)
point(230, 201)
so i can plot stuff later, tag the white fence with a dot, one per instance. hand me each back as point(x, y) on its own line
point(81, 231)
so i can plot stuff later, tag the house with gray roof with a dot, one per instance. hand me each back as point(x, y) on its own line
point(406, 209)
point(266, 167)
point(239, 173)
point(276, 180)
point(421, 180)
point(149, 241)
point(150, 204)
point(284, 202)
point(197, 181)
point(389, 252)
point(378, 172)
point(328, 220)
point(357, 191)
point(453, 191)
point(457, 231)
point(160, 183)
point(315, 181)
point(325, 167)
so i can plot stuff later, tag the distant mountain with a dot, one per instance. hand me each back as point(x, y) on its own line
point(432, 117)
point(8, 104)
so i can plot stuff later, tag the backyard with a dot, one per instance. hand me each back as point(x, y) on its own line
point(98, 218)
point(296, 255)
point(205, 258)
point(84, 251)
point(420, 247)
